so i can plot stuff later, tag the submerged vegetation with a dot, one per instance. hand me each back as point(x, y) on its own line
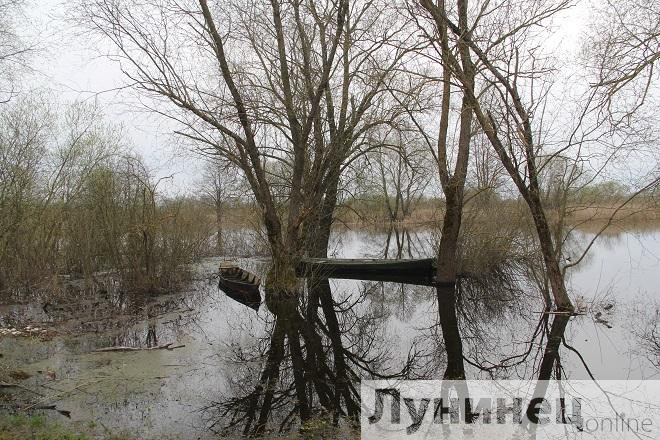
point(386, 129)
point(20, 427)
point(74, 203)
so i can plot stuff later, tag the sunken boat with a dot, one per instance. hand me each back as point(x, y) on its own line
point(240, 285)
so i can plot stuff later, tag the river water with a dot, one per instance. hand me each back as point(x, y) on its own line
point(175, 394)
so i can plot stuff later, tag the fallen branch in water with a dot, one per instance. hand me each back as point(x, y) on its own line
point(21, 387)
point(65, 413)
point(62, 393)
point(120, 348)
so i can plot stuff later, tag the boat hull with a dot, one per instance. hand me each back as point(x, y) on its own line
point(240, 286)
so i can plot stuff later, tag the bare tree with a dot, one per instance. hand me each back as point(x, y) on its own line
point(13, 49)
point(503, 114)
point(300, 84)
point(623, 51)
point(452, 158)
point(285, 90)
point(620, 53)
point(221, 184)
point(486, 176)
point(398, 172)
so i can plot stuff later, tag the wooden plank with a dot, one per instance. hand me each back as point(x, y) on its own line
point(412, 271)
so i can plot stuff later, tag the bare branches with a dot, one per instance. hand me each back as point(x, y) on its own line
point(13, 48)
point(518, 136)
point(623, 51)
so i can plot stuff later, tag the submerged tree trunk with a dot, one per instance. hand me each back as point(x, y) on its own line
point(446, 291)
point(453, 185)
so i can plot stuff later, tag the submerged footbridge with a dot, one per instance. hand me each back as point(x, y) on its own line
point(413, 271)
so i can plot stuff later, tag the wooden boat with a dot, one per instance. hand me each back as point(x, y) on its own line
point(240, 285)
point(413, 271)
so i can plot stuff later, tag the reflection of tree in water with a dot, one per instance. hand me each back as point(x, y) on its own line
point(152, 336)
point(402, 243)
point(506, 330)
point(101, 315)
point(317, 348)
point(392, 299)
point(495, 296)
point(396, 242)
point(645, 327)
point(102, 299)
point(400, 300)
point(315, 354)
point(495, 328)
point(343, 340)
point(495, 323)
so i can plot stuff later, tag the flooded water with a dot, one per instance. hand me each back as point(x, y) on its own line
point(624, 271)
point(184, 392)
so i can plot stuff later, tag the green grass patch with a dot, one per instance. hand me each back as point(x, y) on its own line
point(33, 427)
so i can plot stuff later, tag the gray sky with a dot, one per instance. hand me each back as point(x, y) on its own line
point(71, 68)
point(74, 68)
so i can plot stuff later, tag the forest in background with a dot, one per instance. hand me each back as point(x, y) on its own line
point(469, 117)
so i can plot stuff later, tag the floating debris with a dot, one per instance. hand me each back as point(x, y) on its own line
point(27, 331)
point(581, 304)
point(599, 319)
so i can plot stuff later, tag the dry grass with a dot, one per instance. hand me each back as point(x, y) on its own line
point(637, 215)
point(642, 214)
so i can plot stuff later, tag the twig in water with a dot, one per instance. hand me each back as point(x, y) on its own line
point(120, 348)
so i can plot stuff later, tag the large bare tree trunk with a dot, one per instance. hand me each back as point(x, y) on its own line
point(446, 291)
point(453, 185)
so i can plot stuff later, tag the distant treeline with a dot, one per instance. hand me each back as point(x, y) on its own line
point(74, 202)
point(601, 199)
point(586, 207)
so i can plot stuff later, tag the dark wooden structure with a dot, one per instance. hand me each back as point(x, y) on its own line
point(243, 286)
point(240, 285)
point(413, 271)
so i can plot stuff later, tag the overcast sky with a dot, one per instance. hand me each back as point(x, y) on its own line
point(69, 67)
point(72, 69)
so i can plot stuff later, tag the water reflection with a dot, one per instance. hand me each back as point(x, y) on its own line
point(316, 353)
point(261, 373)
point(401, 243)
point(344, 340)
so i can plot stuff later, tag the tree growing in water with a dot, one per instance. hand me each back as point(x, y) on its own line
point(287, 92)
point(502, 113)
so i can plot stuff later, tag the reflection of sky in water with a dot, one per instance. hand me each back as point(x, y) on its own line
point(623, 270)
point(162, 391)
point(621, 267)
